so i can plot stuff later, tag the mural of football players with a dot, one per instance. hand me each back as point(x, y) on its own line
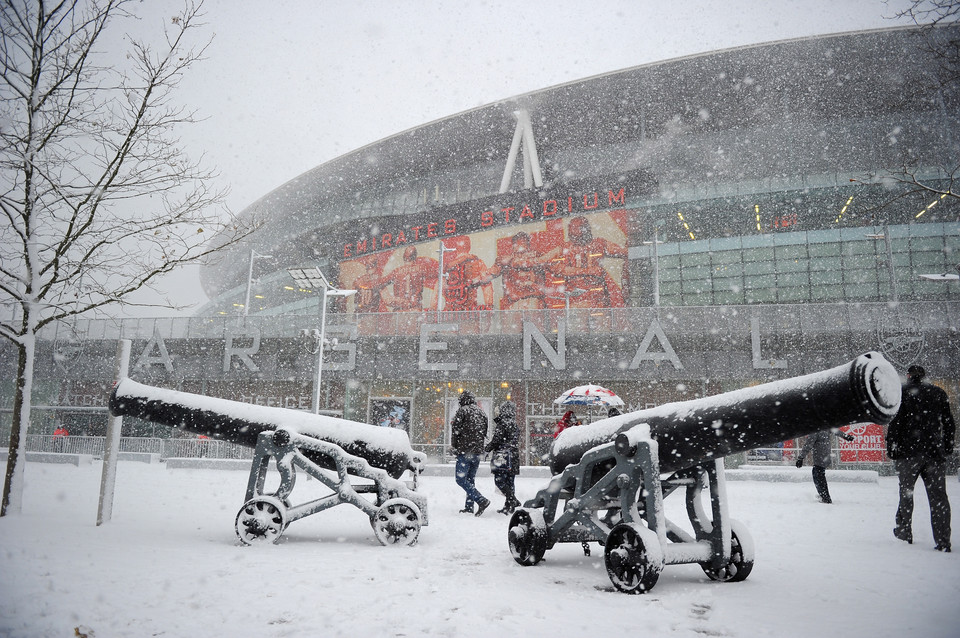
point(579, 265)
point(369, 287)
point(464, 276)
point(409, 280)
point(523, 275)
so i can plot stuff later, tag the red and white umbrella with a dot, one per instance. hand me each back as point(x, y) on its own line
point(593, 395)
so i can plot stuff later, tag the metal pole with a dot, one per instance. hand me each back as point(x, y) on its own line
point(443, 249)
point(111, 450)
point(656, 267)
point(315, 403)
point(246, 302)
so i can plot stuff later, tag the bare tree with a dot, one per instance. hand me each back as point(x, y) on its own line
point(97, 196)
point(915, 177)
point(943, 46)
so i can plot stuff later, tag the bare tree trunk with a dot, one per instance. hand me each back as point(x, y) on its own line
point(13, 481)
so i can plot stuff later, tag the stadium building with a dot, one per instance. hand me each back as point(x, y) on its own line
point(669, 231)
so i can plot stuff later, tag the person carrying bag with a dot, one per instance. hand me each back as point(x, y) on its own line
point(505, 454)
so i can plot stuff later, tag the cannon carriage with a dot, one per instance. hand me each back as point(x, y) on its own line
point(359, 464)
point(611, 477)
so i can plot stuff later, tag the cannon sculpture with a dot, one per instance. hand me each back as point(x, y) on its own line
point(367, 461)
point(608, 473)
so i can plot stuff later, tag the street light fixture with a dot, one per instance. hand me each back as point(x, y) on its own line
point(566, 294)
point(943, 276)
point(310, 278)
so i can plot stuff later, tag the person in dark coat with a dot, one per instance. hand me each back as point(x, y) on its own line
point(506, 444)
point(818, 445)
point(919, 439)
point(468, 433)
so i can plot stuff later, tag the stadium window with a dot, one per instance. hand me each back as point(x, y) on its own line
point(760, 295)
point(793, 293)
point(826, 263)
point(725, 297)
point(824, 277)
point(820, 292)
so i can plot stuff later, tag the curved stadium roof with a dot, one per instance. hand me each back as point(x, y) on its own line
point(778, 116)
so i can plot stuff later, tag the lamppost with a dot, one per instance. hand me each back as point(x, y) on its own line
point(566, 294)
point(310, 278)
point(253, 255)
point(442, 250)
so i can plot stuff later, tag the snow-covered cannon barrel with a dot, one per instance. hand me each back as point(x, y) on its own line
point(866, 389)
point(607, 485)
point(242, 423)
point(367, 460)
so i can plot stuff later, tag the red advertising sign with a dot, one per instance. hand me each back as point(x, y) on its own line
point(868, 446)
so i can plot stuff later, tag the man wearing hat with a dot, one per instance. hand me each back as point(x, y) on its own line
point(919, 439)
point(468, 432)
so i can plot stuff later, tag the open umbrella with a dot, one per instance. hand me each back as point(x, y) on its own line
point(592, 395)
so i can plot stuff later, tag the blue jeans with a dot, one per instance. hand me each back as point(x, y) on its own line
point(467, 465)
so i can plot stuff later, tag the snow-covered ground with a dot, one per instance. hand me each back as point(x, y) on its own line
point(168, 565)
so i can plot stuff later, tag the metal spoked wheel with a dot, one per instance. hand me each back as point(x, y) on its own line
point(629, 564)
point(397, 522)
point(741, 557)
point(261, 520)
point(527, 536)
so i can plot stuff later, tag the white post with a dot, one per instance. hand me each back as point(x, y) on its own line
point(111, 448)
point(315, 404)
point(656, 267)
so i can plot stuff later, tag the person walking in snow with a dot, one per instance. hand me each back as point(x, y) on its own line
point(59, 438)
point(818, 445)
point(505, 463)
point(568, 420)
point(468, 432)
point(919, 440)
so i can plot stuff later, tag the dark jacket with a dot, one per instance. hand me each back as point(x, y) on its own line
point(818, 445)
point(468, 430)
point(924, 426)
point(506, 434)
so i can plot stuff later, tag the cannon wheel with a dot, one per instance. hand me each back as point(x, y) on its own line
point(261, 519)
point(627, 557)
point(527, 536)
point(397, 522)
point(741, 557)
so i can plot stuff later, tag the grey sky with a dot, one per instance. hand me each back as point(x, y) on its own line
point(288, 85)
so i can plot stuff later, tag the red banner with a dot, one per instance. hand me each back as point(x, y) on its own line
point(868, 446)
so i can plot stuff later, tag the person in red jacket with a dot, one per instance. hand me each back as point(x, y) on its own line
point(568, 420)
point(59, 438)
